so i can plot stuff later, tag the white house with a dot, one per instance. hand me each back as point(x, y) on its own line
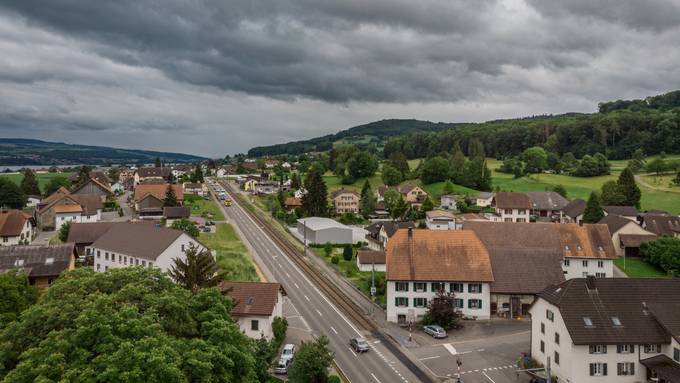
point(16, 228)
point(75, 214)
point(371, 260)
point(256, 305)
point(440, 220)
point(136, 244)
point(512, 207)
point(615, 330)
point(448, 202)
point(626, 235)
point(422, 262)
point(32, 201)
point(484, 199)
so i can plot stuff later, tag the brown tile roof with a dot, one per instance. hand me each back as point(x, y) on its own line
point(293, 202)
point(432, 255)
point(193, 185)
point(391, 227)
point(634, 240)
point(141, 241)
point(626, 211)
point(439, 215)
point(336, 193)
point(252, 298)
point(90, 202)
point(511, 200)
point(37, 261)
point(68, 209)
point(162, 172)
point(104, 186)
point(575, 208)
point(174, 212)
point(662, 225)
point(624, 298)
point(12, 222)
point(87, 233)
point(97, 175)
point(49, 200)
point(157, 191)
point(615, 222)
point(524, 271)
point(570, 239)
point(547, 200)
point(368, 257)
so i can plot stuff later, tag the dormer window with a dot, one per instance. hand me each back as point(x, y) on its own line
point(19, 262)
point(616, 321)
point(566, 247)
point(578, 247)
point(588, 322)
point(49, 261)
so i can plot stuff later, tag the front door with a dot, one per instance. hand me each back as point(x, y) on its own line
point(515, 306)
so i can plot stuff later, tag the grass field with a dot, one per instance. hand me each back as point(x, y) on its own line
point(232, 255)
point(638, 268)
point(43, 178)
point(199, 206)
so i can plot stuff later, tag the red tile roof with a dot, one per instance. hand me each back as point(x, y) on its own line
point(252, 298)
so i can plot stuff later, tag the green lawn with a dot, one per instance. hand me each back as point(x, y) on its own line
point(638, 268)
point(232, 255)
point(199, 206)
point(333, 182)
point(43, 178)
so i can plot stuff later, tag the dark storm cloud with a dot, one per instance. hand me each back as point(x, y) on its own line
point(220, 76)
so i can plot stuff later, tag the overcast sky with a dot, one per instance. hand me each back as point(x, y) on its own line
point(212, 77)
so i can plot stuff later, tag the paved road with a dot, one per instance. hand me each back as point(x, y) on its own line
point(377, 365)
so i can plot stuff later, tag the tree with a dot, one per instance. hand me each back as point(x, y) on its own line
point(612, 194)
point(17, 295)
point(398, 161)
point(170, 197)
point(368, 200)
point(629, 188)
point(263, 351)
point(114, 174)
point(197, 175)
point(427, 205)
point(391, 176)
point(362, 164)
point(295, 181)
point(568, 163)
point(477, 175)
point(677, 179)
point(171, 178)
point(535, 159)
point(637, 163)
point(328, 249)
point(64, 230)
point(347, 252)
point(186, 226)
point(602, 163)
point(399, 208)
point(84, 174)
point(449, 187)
point(457, 163)
point(197, 271)
point(561, 190)
point(441, 310)
point(55, 183)
point(593, 212)
point(281, 199)
point(311, 362)
point(476, 149)
point(29, 184)
point(663, 253)
point(157, 162)
point(315, 202)
point(435, 169)
point(11, 195)
point(656, 166)
point(151, 329)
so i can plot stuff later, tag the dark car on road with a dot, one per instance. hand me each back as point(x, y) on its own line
point(359, 344)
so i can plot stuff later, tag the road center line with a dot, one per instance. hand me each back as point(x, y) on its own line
point(319, 312)
point(307, 298)
point(487, 376)
point(430, 357)
point(334, 330)
point(376, 379)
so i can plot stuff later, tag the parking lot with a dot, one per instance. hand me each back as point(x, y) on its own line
point(488, 353)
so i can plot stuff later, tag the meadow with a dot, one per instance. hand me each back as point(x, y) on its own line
point(233, 259)
point(43, 178)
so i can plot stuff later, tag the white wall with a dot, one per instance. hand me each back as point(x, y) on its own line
point(574, 267)
point(264, 322)
point(369, 267)
point(26, 233)
point(440, 225)
point(630, 228)
point(513, 215)
point(393, 311)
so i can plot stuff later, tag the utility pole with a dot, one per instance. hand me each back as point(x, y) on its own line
point(373, 289)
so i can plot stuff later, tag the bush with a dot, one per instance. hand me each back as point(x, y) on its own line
point(347, 252)
point(279, 328)
point(664, 253)
point(328, 249)
point(334, 379)
point(335, 260)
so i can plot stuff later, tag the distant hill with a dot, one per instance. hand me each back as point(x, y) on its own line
point(378, 131)
point(19, 151)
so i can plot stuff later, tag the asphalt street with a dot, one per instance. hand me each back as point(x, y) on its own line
point(321, 316)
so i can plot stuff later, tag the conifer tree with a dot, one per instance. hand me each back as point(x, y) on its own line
point(170, 197)
point(629, 188)
point(593, 212)
point(315, 202)
point(29, 184)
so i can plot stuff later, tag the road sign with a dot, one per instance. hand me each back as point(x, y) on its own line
point(373, 291)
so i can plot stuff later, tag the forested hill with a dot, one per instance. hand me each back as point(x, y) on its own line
point(378, 130)
point(18, 151)
point(617, 129)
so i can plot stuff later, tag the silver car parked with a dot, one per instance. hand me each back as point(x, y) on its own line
point(435, 331)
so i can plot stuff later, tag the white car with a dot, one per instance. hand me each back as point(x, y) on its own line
point(288, 352)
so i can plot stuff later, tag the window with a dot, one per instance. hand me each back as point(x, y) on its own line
point(401, 301)
point(601, 275)
point(557, 338)
point(625, 348)
point(598, 369)
point(182, 247)
point(144, 263)
point(625, 369)
point(401, 286)
point(508, 211)
point(125, 260)
point(507, 219)
point(542, 328)
point(5, 239)
point(616, 321)
point(99, 254)
point(106, 268)
point(419, 287)
point(120, 258)
point(557, 358)
point(521, 219)
point(99, 267)
point(419, 302)
point(150, 264)
point(521, 211)
point(550, 315)
point(136, 261)
point(18, 262)
point(254, 325)
point(456, 287)
point(437, 286)
point(459, 303)
point(106, 256)
point(597, 348)
point(600, 264)
point(585, 263)
point(542, 346)
point(652, 348)
point(474, 288)
point(474, 303)
point(566, 262)
point(676, 354)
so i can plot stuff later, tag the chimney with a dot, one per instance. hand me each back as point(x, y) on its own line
point(590, 282)
point(410, 232)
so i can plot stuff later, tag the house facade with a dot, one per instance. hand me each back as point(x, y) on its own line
point(371, 260)
point(151, 173)
point(256, 305)
point(626, 235)
point(547, 206)
point(345, 201)
point(512, 207)
point(484, 199)
point(16, 228)
point(420, 263)
point(62, 206)
point(92, 186)
point(440, 220)
point(449, 202)
point(618, 330)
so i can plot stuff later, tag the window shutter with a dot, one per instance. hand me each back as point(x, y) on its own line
point(592, 369)
point(604, 369)
point(632, 368)
point(480, 304)
point(619, 368)
point(591, 350)
point(619, 348)
point(604, 348)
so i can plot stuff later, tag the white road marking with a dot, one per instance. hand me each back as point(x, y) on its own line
point(352, 351)
point(288, 275)
point(450, 348)
point(296, 285)
point(307, 298)
point(334, 330)
point(480, 350)
point(487, 376)
point(376, 342)
point(319, 312)
point(376, 379)
point(430, 357)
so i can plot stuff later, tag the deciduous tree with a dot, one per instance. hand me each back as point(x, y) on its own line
point(441, 310)
point(186, 226)
point(11, 195)
point(311, 362)
point(55, 183)
point(17, 295)
point(391, 176)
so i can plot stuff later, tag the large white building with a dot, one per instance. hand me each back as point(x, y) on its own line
point(256, 305)
point(615, 330)
point(422, 262)
point(143, 245)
